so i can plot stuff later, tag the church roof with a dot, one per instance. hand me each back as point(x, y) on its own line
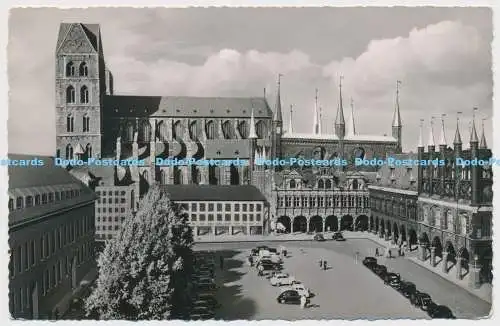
point(398, 177)
point(91, 32)
point(373, 138)
point(186, 106)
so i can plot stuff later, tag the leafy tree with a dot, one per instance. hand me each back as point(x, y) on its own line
point(145, 272)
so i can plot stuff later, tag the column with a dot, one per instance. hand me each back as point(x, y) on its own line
point(421, 252)
point(474, 274)
point(307, 225)
point(203, 170)
point(230, 230)
point(459, 268)
point(433, 256)
point(195, 231)
point(324, 224)
point(444, 262)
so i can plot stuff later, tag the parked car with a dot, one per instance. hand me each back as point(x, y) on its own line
point(407, 289)
point(438, 311)
point(299, 287)
point(421, 300)
point(202, 313)
point(289, 297)
point(319, 237)
point(272, 250)
point(370, 262)
point(282, 279)
point(380, 270)
point(393, 279)
point(337, 236)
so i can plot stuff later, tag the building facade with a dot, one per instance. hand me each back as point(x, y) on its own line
point(93, 122)
point(51, 238)
point(217, 210)
point(444, 210)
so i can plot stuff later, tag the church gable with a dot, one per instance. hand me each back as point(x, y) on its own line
point(76, 40)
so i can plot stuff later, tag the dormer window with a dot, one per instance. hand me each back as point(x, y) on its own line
point(293, 184)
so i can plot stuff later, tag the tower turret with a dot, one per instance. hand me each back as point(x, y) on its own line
point(277, 123)
point(316, 118)
point(396, 120)
point(420, 153)
point(340, 120)
point(351, 128)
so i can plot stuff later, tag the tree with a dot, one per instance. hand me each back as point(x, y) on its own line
point(145, 272)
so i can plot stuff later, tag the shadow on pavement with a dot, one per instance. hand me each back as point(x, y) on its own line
point(234, 304)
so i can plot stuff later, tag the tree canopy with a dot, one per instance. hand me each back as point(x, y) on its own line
point(145, 272)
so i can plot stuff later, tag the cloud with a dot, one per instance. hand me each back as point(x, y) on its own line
point(444, 67)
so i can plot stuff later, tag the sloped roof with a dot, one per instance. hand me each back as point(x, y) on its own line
point(186, 106)
point(213, 193)
point(92, 32)
point(398, 177)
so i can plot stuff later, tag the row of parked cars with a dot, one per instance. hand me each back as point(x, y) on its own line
point(204, 302)
point(269, 262)
point(408, 290)
point(337, 236)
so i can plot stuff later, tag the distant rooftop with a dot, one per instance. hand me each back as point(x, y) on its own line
point(213, 193)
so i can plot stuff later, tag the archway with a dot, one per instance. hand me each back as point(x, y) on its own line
point(372, 226)
point(382, 227)
point(300, 224)
point(331, 223)
point(34, 301)
point(346, 223)
point(463, 256)
point(377, 224)
point(388, 229)
point(413, 239)
point(451, 258)
point(438, 248)
point(286, 222)
point(403, 233)
point(316, 224)
point(395, 232)
point(361, 223)
point(234, 175)
point(425, 243)
point(485, 260)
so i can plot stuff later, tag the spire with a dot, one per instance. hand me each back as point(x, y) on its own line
point(351, 129)
point(458, 138)
point(396, 119)
point(473, 133)
point(290, 129)
point(277, 109)
point(421, 135)
point(483, 137)
point(340, 111)
point(320, 117)
point(443, 134)
point(316, 128)
point(252, 134)
point(431, 134)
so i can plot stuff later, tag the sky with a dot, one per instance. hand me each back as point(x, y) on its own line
point(441, 55)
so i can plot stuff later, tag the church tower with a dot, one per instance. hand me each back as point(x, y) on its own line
point(396, 121)
point(340, 120)
point(277, 124)
point(80, 88)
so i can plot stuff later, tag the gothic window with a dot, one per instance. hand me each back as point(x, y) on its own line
point(70, 123)
point(321, 184)
point(193, 130)
point(243, 129)
point(437, 218)
point(84, 69)
point(70, 69)
point(162, 132)
point(69, 152)
point(58, 153)
point(145, 131)
point(130, 132)
point(70, 94)
point(86, 123)
point(162, 177)
point(260, 129)
point(463, 223)
point(227, 130)
point(145, 175)
point(210, 130)
point(132, 198)
point(177, 130)
point(292, 184)
point(296, 201)
point(425, 212)
point(355, 184)
point(328, 184)
point(84, 94)
point(88, 150)
point(288, 201)
point(177, 175)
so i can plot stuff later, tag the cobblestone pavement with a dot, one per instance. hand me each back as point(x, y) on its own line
point(355, 282)
point(347, 291)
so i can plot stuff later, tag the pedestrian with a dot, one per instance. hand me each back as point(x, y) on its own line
point(221, 262)
point(284, 252)
point(377, 252)
point(320, 263)
point(303, 301)
point(389, 253)
point(324, 265)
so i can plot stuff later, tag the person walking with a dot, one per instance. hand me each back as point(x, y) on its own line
point(325, 265)
point(377, 252)
point(303, 301)
point(320, 263)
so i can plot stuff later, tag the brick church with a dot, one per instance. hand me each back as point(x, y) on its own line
point(92, 121)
